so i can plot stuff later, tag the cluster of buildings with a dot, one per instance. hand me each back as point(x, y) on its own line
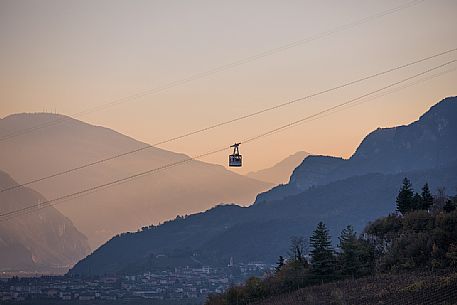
point(182, 283)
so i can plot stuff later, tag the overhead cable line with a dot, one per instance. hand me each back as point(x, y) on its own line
point(215, 70)
point(344, 104)
point(394, 90)
point(382, 94)
point(34, 207)
point(236, 119)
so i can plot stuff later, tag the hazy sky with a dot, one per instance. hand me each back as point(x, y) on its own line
point(74, 55)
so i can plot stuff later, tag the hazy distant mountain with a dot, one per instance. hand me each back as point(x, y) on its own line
point(280, 172)
point(336, 191)
point(430, 142)
point(45, 241)
point(192, 187)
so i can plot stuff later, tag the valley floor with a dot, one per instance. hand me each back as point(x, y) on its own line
point(411, 289)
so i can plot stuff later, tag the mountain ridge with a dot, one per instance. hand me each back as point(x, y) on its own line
point(261, 231)
point(384, 150)
point(126, 207)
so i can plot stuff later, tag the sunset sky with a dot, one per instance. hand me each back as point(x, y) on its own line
point(69, 56)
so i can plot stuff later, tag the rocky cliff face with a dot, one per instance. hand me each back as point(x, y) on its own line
point(430, 142)
point(43, 241)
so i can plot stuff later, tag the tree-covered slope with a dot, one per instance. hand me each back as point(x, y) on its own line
point(417, 243)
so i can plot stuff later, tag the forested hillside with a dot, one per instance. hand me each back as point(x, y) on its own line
point(397, 255)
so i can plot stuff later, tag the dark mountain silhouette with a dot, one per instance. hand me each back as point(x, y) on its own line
point(184, 189)
point(262, 231)
point(430, 142)
point(45, 241)
point(280, 172)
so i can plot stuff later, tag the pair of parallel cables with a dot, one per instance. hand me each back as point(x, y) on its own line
point(352, 102)
point(215, 70)
point(338, 107)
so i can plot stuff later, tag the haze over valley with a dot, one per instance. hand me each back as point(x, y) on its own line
point(228, 153)
point(154, 198)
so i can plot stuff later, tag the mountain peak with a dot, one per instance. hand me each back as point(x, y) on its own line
point(418, 144)
point(428, 143)
point(30, 117)
point(151, 199)
point(446, 107)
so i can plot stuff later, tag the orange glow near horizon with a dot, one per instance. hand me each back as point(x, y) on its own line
point(74, 55)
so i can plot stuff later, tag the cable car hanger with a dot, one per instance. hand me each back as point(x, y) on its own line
point(235, 159)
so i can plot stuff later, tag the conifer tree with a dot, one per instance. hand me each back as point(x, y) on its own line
point(427, 198)
point(349, 248)
point(417, 202)
point(405, 200)
point(322, 253)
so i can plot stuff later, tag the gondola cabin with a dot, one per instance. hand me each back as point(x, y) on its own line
point(235, 159)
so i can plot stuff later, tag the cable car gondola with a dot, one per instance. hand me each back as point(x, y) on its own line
point(235, 158)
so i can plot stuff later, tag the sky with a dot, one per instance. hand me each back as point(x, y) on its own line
point(69, 56)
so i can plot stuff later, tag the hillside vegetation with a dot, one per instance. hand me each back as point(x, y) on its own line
point(385, 289)
point(421, 237)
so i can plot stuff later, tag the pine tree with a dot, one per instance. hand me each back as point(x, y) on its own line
point(348, 255)
point(427, 198)
point(357, 256)
point(322, 254)
point(405, 200)
point(417, 202)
